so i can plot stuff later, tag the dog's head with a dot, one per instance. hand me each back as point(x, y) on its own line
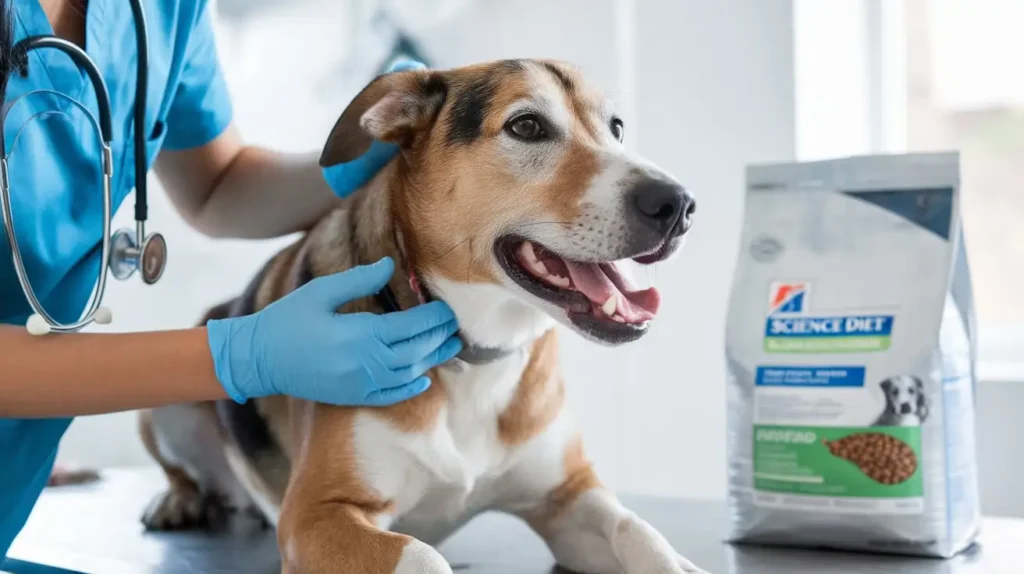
point(518, 201)
point(904, 395)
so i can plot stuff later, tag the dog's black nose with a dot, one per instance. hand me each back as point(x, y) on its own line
point(664, 206)
point(906, 409)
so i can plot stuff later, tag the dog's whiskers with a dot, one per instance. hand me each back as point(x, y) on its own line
point(563, 223)
point(453, 248)
point(469, 265)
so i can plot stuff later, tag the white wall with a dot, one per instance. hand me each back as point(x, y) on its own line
point(706, 87)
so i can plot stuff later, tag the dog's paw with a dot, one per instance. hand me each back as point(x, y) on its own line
point(688, 567)
point(643, 550)
point(183, 510)
point(70, 474)
point(421, 558)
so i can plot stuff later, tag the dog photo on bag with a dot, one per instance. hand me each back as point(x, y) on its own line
point(905, 402)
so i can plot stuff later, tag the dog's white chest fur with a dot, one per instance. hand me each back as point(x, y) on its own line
point(907, 420)
point(438, 474)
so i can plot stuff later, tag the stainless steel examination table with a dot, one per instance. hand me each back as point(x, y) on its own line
point(95, 529)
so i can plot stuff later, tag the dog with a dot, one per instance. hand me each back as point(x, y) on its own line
point(512, 199)
point(905, 402)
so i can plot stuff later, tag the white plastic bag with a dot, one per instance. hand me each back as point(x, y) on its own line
point(850, 359)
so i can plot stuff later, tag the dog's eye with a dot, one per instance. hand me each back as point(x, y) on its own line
point(617, 129)
point(526, 127)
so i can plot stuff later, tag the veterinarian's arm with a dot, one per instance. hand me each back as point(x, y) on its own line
point(226, 189)
point(298, 346)
point(83, 374)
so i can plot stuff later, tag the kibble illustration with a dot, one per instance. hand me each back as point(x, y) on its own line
point(881, 457)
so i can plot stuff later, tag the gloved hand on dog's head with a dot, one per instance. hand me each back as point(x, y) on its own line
point(300, 346)
point(345, 178)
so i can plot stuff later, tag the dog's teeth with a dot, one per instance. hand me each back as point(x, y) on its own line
point(559, 280)
point(528, 252)
point(539, 267)
point(609, 305)
point(619, 319)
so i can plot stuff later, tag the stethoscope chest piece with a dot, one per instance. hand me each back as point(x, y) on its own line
point(154, 258)
point(127, 256)
point(123, 256)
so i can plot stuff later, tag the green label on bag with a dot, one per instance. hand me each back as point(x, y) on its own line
point(827, 344)
point(874, 462)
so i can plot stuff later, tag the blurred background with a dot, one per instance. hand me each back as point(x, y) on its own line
point(705, 88)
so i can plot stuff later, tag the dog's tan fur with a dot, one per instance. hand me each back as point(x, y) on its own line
point(436, 211)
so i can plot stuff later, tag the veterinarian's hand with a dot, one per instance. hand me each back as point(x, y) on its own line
point(300, 346)
point(345, 178)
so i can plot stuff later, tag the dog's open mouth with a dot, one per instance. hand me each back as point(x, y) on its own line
point(597, 296)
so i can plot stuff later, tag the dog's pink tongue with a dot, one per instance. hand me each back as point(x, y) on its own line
point(592, 280)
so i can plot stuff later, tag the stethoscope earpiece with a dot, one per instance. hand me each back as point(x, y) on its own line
point(103, 316)
point(125, 251)
point(36, 325)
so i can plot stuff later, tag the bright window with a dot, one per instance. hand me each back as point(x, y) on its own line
point(965, 91)
point(875, 76)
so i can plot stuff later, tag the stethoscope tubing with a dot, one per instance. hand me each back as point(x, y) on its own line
point(141, 85)
point(12, 238)
point(129, 254)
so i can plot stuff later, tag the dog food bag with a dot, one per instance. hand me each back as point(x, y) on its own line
point(850, 355)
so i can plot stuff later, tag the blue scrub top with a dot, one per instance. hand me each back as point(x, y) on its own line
point(54, 169)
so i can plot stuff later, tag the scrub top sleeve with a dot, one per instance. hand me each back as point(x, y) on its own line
point(201, 108)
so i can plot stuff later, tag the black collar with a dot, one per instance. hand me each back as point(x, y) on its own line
point(472, 354)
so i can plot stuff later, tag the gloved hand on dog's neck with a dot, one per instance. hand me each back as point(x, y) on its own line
point(470, 353)
point(300, 346)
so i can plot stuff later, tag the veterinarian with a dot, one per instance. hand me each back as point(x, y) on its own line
point(297, 346)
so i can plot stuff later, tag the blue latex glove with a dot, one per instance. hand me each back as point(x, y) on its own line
point(345, 178)
point(300, 346)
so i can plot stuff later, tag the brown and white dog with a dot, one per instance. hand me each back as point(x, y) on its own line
point(512, 199)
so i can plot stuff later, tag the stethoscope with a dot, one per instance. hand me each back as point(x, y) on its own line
point(124, 251)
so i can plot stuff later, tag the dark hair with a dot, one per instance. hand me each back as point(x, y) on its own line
point(7, 58)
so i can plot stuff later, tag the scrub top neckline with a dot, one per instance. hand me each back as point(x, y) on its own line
point(62, 73)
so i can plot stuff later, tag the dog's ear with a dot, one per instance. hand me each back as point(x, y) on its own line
point(922, 400)
point(886, 386)
point(391, 109)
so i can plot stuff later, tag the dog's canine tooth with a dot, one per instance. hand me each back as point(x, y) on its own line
point(610, 305)
point(528, 252)
point(559, 280)
point(539, 267)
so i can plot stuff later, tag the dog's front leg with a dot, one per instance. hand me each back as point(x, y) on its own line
point(331, 509)
point(342, 538)
point(596, 534)
point(589, 530)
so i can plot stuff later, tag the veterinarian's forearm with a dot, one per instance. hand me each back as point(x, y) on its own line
point(264, 194)
point(82, 374)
